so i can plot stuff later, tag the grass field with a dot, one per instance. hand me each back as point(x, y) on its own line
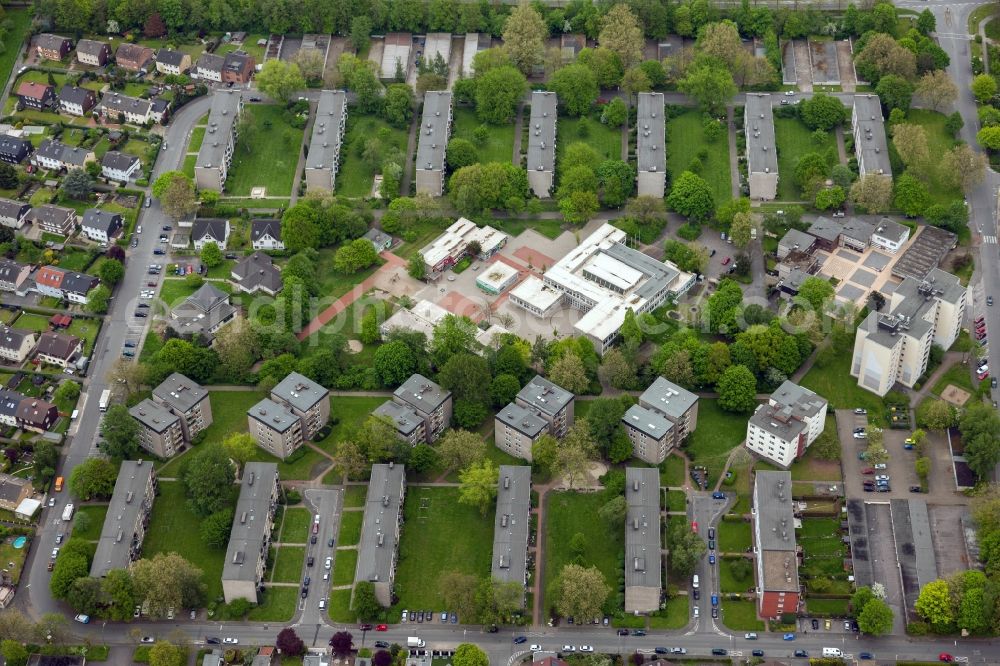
point(267, 158)
point(277, 604)
point(350, 528)
point(19, 24)
point(288, 564)
point(197, 137)
point(355, 176)
point(728, 583)
point(569, 513)
point(672, 471)
point(675, 616)
point(96, 516)
point(343, 569)
point(350, 412)
point(834, 382)
point(173, 528)
point(685, 138)
point(959, 375)
point(832, 607)
point(340, 606)
point(607, 141)
point(355, 495)
point(188, 167)
point(740, 616)
point(716, 435)
point(85, 329)
point(734, 537)
point(439, 530)
point(794, 140)
point(499, 146)
point(676, 500)
point(295, 528)
point(940, 141)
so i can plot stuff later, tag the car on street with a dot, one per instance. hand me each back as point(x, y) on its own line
point(55, 553)
point(789, 93)
point(82, 618)
point(882, 477)
point(788, 637)
point(711, 532)
point(711, 544)
point(694, 526)
point(868, 470)
point(520, 639)
point(148, 202)
point(328, 563)
point(719, 495)
point(916, 489)
point(381, 627)
point(310, 560)
point(696, 593)
point(711, 558)
point(751, 636)
point(725, 262)
point(989, 301)
point(720, 652)
point(212, 640)
point(661, 650)
point(312, 539)
point(715, 600)
point(586, 648)
point(866, 656)
point(167, 227)
point(147, 639)
point(59, 539)
point(758, 653)
point(329, 542)
point(568, 648)
point(454, 618)
point(535, 647)
point(860, 435)
point(678, 650)
point(623, 632)
point(140, 314)
point(715, 613)
point(159, 251)
point(230, 640)
point(801, 653)
point(881, 466)
point(365, 627)
point(945, 657)
point(784, 102)
point(815, 624)
point(405, 616)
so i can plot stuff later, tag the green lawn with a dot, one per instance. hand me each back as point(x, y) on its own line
point(349, 412)
point(548, 228)
point(569, 513)
point(19, 24)
point(794, 140)
point(340, 606)
point(675, 616)
point(188, 167)
point(740, 616)
point(685, 138)
point(439, 530)
point(288, 564)
point(834, 382)
point(355, 496)
point(345, 566)
point(355, 176)
point(96, 515)
point(350, 528)
point(174, 528)
point(249, 45)
point(676, 500)
point(729, 584)
point(940, 141)
point(672, 471)
point(296, 525)
point(197, 137)
point(9, 554)
point(499, 146)
point(268, 157)
point(833, 607)
point(734, 537)
point(715, 436)
point(83, 328)
point(277, 604)
point(607, 141)
point(959, 375)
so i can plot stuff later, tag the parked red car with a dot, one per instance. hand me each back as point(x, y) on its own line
point(944, 656)
point(381, 627)
point(694, 526)
point(868, 470)
point(725, 262)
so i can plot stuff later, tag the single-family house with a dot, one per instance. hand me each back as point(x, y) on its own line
point(257, 273)
point(60, 349)
point(76, 101)
point(210, 230)
point(101, 225)
point(35, 95)
point(134, 57)
point(14, 150)
point(169, 61)
point(53, 219)
point(117, 108)
point(52, 47)
point(265, 234)
point(76, 287)
point(55, 155)
point(120, 166)
point(238, 67)
point(92, 52)
point(16, 343)
point(36, 414)
point(14, 276)
point(14, 214)
point(209, 67)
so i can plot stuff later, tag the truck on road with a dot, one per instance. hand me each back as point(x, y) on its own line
point(414, 642)
point(67, 514)
point(105, 400)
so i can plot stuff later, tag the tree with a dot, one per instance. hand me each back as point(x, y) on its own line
point(211, 255)
point(739, 231)
point(823, 112)
point(14, 653)
point(935, 606)
point(984, 87)
point(355, 256)
point(573, 457)
point(569, 373)
point(215, 529)
point(911, 143)
point(459, 592)
point(926, 22)
point(691, 196)
point(382, 658)
point(71, 564)
point(120, 433)
point(737, 389)
point(98, 299)
point(543, 453)
point(873, 192)
point(350, 461)
point(936, 89)
point(300, 228)
point(876, 618)
point(341, 643)
point(458, 449)
point(479, 485)
point(989, 137)
point(77, 184)
point(964, 166)
point(688, 256)
point(912, 196)
point(46, 459)
point(94, 478)
point(616, 369)
point(111, 272)
point(154, 26)
point(498, 93)
point(882, 55)
point(621, 34)
point(176, 194)
point(279, 79)
point(935, 414)
point(168, 580)
point(524, 35)
point(289, 642)
point(416, 268)
point(240, 447)
point(576, 87)
point(722, 41)
point(578, 207)
point(615, 113)
point(980, 428)
point(617, 179)
point(208, 480)
point(393, 363)
point(613, 512)
point(68, 391)
point(459, 153)
point(830, 198)
point(467, 654)
point(398, 104)
point(710, 85)
point(895, 92)
point(310, 63)
point(580, 591)
point(686, 550)
point(164, 653)
point(361, 30)
point(816, 292)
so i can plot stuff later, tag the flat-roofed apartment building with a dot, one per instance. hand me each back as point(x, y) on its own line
point(435, 128)
point(160, 430)
point(323, 160)
point(516, 429)
point(428, 401)
point(542, 142)
point(380, 528)
point(783, 429)
point(409, 425)
point(651, 150)
point(539, 408)
point(894, 345)
point(128, 514)
point(870, 145)
point(643, 560)
point(216, 152)
point(305, 399)
point(550, 401)
point(604, 278)
point(188, 400)
point(250, 538)
point(663, 417)
point(762, 154)
point(775, 556)
point(276, 430)
point(512, 525)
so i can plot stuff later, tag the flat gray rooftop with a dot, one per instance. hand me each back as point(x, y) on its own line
point(542, 132)
point(924, 253)
point(668, 398)
point(274, 416)
point(380, 528)
point(762, 157)
point(402, 416)
point(421, 393)
point(324, 145)
point(511, 525)
point(299, 391)
point(775, 517)
point(647, 421)
point(250, 521)
point(642, 527)
point(544, 396)
point(523, 420)
point(153, 416)
point(224, 113)
point(126, 504)
point(179, 392)
point(659, 275)
point(872, 145)
point(651, 150)
point(433, 136)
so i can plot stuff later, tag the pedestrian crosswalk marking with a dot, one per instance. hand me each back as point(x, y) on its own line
point(990, 240)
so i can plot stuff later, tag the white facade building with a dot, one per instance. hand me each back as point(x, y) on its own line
point(783, 429)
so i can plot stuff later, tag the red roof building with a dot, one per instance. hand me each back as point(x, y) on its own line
point(50, 276)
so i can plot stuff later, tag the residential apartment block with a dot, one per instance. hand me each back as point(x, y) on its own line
point(305, 399)
point(783, 429)
point(323, 158)
point(512, 525)
point(14, 150)
point(128, 515)
point(651, 149)
point(435, 128)
point(160, 430)
point(118, 108)
point(431, 403)
point(870, 145)
point(186, 399)
point(643, 561)
point(516, 429)
point(539, 408)
point(542, 142)
point(894, 345)
point(551, 402)
point(409, 425)
point(378, 548)
point(216, 152)
point(762, 152)
point(276, 430)
point(55, 155)
point(664, 416)
point(775, 556)
point(250, 538)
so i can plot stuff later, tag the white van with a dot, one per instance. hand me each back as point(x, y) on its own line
point(694, 582)
point(832, 652)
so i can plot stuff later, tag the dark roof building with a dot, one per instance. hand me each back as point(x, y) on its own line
point(257, 273)
point(13, 150)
